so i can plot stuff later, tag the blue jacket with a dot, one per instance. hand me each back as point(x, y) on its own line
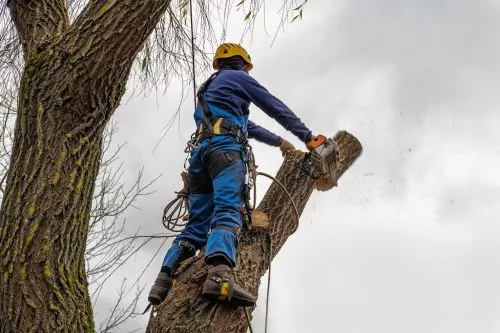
point(229, 96)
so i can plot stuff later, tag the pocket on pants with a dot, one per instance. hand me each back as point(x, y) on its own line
point(216, 162)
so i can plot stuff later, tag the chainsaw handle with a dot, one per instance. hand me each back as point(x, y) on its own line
point(305, 165)
point(316, 141)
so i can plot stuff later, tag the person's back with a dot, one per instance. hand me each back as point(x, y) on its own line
point(226, 93)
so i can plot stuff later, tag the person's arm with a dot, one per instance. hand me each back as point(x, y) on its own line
point(274, 108)
point(263, 135)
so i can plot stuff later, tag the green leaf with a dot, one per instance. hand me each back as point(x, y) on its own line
point(240, 3)
point(248, 15)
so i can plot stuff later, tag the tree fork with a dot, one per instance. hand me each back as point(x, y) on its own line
point(185, 310)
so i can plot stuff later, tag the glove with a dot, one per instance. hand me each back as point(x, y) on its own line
point(285, 146)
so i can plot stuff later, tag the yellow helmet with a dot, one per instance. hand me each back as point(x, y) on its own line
point(228, 50)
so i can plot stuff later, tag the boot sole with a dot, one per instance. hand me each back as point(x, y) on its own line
point(234, 302)
point(155, 300)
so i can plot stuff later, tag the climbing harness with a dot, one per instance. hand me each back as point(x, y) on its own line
point(250, 181)
point(219, 126)
point(210, 125)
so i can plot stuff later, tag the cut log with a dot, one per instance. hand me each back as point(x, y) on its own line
point(260, 220)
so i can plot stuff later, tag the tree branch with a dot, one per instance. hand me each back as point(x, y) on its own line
point(38, 21)
point(114, 31)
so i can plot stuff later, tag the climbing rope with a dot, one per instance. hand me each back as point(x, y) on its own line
point(192, 51)
point(270, 259)
point(175, 212)
point(270, 253)
point(247, 315)
point(295, 209)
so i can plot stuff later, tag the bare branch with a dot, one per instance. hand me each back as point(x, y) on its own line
point(107, 247)
point(120, 312)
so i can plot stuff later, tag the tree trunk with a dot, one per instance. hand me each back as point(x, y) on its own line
point(74, 79)
point(185, 310)
point(46, 207)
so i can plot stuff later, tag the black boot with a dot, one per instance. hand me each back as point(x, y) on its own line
point(163, 282)
point(160, 289)
point(220, 287)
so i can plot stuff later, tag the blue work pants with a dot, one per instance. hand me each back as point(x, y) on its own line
point(216, 183)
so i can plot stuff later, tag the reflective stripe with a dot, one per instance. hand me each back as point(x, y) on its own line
point(217, 126)
point(224, 291)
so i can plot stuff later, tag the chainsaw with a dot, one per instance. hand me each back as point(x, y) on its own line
point(320, 163)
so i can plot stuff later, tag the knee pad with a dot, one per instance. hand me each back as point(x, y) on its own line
point(199, 183)
point(187, 251)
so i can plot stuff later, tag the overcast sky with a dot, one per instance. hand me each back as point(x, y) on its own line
point(408, 242)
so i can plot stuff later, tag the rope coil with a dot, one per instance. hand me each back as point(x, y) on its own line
point(175, 212)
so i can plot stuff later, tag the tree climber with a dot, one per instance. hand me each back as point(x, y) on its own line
point(217, 170)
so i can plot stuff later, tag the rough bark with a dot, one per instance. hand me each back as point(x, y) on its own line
point(185, 310)
point(74, 79)
point(38, 21)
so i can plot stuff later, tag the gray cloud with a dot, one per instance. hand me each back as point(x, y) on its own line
point(408, 241)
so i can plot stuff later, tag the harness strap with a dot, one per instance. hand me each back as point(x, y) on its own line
point(234, 230)
point(219, 126)
point(214, 126)
point(205, 111)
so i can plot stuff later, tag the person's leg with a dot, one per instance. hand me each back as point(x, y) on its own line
point(228, 201)
point(228, 177)
point(194, 235)
point(192, 238)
